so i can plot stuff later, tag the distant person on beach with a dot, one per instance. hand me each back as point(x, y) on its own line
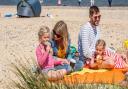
point(59, 2)
point(89, 34)
point(44, 56)
point(79, 2)
point(110, 2)
point(61, 44)
point(41, 1)
point(92, 2)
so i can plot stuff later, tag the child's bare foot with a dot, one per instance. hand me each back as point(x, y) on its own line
point(124, 83)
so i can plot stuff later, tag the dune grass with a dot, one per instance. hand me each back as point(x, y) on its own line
point(29, 79)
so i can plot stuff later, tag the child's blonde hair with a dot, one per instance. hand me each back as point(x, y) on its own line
point(100, 42)
point(43, 29)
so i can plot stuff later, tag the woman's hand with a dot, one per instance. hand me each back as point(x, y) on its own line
point(65, 61)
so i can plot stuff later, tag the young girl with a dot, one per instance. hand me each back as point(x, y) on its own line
point(103, 57)
point(44, 55)
point(61, 44)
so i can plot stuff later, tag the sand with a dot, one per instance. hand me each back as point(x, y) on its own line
point(18, 36)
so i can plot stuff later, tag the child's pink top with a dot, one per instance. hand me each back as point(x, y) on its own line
point(44, 59)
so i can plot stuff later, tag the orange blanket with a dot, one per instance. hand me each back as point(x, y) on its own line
point(114, 76)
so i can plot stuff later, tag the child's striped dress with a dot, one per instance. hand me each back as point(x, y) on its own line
point(118, 60)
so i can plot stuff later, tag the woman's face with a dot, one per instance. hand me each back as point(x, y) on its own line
point(99, 50)
point(57, 36)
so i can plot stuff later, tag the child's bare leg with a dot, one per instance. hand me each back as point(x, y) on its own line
point(52, 75)
point(124, 83)
point(61, 73)
point(94, 66)
point(55, 75)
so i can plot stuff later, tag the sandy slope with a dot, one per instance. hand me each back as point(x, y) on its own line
point(18, 36)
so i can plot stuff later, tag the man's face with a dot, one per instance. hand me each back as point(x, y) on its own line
point(95, 19)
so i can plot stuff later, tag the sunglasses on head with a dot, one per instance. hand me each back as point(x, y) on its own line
point(58, 36)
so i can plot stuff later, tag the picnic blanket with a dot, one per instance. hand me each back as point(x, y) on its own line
point(87, 70)
point(114, 76)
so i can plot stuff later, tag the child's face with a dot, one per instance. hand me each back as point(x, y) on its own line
point(45, 37)
point(99, 50)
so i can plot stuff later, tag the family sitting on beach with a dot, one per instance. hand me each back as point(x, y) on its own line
point(54, 54)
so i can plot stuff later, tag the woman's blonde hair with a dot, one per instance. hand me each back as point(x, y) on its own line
point(100, 42)
point(61, 29)
point(43, 29)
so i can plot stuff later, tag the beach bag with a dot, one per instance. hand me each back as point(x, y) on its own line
point(29, 8)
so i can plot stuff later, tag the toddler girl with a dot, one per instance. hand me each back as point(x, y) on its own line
point(105, 58)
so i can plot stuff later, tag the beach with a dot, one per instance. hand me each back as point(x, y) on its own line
point(19, 35)
point(103, 3)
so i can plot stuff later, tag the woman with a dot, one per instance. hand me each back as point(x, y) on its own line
point(61, 44)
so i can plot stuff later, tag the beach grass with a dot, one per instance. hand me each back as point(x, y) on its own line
point(19, 36)
point(31, 79)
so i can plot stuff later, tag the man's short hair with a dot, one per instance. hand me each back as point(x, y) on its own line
point(93, 9)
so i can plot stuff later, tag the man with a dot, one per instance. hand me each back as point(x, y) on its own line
point(89, 34)
point(59, 2)
point(92, 2)
point(79, 2)
point(110, 3)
